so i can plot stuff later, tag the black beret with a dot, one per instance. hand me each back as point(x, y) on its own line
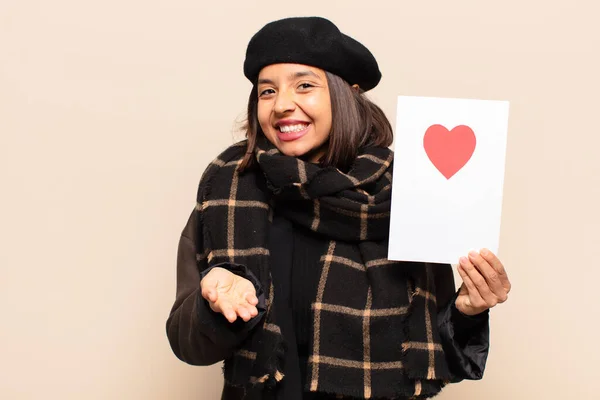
point(313, 41)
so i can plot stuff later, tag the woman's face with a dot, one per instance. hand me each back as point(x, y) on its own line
point(294, 109)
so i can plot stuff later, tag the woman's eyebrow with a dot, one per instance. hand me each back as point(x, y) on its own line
point(301, 74)
point(265, 82)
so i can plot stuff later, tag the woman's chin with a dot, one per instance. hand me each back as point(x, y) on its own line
point(293, 150)
point(297, 150)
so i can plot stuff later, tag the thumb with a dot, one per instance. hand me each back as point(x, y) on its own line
point(209, 289)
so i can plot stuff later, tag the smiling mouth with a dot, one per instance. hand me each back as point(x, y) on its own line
point(292, 128)
point(289, 133)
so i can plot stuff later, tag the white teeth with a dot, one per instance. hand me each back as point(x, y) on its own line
point(292, 128)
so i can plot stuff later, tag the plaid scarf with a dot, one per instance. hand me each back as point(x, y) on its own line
point(375, 331)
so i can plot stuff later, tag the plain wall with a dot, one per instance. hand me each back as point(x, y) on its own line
point(110, 111)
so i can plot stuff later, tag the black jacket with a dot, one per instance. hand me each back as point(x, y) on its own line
point(200, 336)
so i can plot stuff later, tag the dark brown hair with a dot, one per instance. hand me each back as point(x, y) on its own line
point(356, 122)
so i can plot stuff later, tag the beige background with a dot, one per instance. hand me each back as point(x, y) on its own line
point(110, 110)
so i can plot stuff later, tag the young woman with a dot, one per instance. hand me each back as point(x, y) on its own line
point(282, 270)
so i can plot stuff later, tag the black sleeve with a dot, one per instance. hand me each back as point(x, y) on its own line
point(465, 339)
point(198, 335)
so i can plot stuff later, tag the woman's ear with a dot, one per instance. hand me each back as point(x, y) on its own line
point(356, 88)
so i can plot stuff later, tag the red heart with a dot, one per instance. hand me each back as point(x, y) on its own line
point(449, 151)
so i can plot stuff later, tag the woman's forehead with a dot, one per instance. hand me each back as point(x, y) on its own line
point(289, 71)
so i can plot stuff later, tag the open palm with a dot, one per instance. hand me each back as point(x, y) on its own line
point(229, 294)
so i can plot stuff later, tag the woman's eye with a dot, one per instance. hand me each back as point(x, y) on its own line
point(266, 92)
point(305, 85)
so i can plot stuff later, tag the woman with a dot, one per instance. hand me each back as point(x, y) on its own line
point(282, 269)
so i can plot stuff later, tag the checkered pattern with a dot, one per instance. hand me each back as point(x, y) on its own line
point(374, 332)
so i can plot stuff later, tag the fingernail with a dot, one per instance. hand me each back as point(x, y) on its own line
point(484, 252)
point(473, 253)
point(463, 260)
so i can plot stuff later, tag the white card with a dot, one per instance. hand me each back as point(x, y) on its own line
point(448, 178)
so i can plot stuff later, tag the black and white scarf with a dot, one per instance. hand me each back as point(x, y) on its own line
point(374, 320)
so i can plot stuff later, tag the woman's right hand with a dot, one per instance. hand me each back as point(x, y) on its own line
point(229, 294)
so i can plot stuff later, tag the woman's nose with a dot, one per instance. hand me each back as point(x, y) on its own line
point(284, 102)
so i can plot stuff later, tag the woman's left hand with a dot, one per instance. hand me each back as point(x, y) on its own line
point(485, 282)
